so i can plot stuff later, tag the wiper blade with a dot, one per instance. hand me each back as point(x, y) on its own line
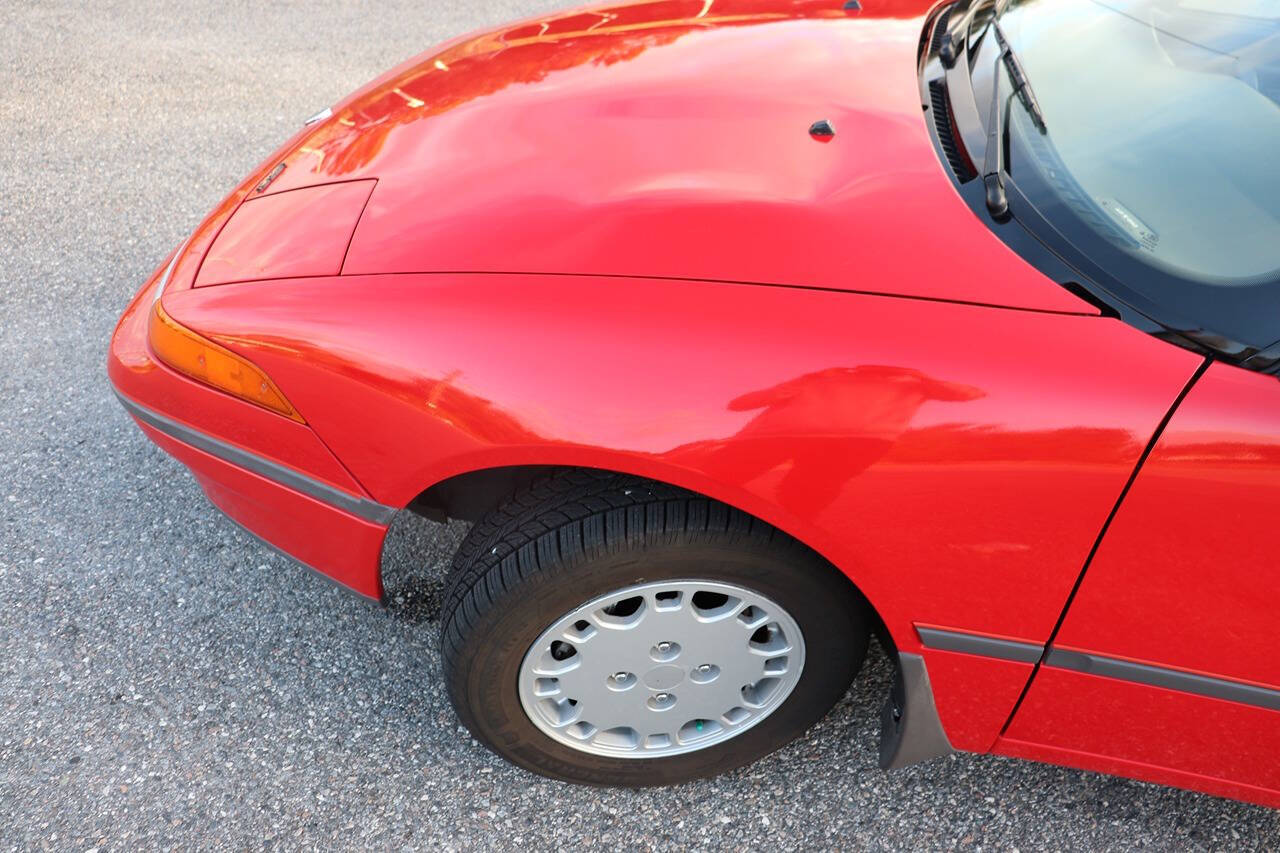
point(993, 167)
point(1021, 85)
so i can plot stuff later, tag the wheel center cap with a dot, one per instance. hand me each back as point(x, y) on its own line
point(663, 677)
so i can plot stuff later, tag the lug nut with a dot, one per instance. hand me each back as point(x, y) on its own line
point(619, 681)
point(704, 673)
point(661, 701)
point(665, 650)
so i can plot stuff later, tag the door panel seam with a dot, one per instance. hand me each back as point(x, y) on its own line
point(1102, 532)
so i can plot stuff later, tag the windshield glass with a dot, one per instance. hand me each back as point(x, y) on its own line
point(1164, 127)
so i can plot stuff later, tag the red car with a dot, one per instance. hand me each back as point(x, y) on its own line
point(747, 329)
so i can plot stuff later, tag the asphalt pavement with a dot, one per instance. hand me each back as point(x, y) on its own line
point(167, 681)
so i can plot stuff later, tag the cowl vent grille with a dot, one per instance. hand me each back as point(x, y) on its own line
point(939, 30)
point(946, 133)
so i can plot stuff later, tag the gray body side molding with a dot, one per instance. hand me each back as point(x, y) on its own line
point(910, 731)
point(1169, 679)
point(976, 644)
point(296, 480)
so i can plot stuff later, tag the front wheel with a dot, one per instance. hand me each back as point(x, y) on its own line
point(613, 631)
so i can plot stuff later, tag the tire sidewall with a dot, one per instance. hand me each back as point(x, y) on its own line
point(485, 672)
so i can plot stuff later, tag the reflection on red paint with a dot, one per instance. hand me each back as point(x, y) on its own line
point(527, 53)
point(824, 428)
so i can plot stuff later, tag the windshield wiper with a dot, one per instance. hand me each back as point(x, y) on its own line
point(993, 167)
point(1021, 85)
point(949, 49)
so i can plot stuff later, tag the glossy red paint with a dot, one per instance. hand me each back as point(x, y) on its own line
point(303, 232)
point(136, 375)
point(334, 543)
point(574, 144)
point(937, 476)
point(974, 694)
point(572, 256)
point(1190, 551)
point(1182, 580)
point(1149, 733)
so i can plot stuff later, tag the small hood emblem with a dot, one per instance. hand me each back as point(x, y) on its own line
point(271, 176)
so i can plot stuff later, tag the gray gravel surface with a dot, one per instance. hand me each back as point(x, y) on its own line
point(164, 680)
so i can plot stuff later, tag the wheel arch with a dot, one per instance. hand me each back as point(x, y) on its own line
point(910, 728)
point(470, 494)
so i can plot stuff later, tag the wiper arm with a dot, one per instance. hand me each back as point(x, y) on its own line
point(949, 49)
point(993, 167)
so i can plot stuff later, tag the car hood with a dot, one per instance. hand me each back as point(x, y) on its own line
point(667, 139)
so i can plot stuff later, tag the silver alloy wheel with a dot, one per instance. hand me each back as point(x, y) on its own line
point(660, 669)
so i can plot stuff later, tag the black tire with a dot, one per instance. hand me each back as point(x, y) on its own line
point(580, 534)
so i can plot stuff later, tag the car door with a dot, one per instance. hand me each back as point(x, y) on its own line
point(1168, 659)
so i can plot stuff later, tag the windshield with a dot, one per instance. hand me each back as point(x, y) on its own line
point(1164, 128)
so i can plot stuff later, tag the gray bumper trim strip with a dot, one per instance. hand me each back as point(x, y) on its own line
point(1171, 679)
point(976, 644)
point(323, 492)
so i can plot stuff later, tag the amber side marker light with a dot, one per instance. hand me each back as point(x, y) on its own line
point(214, 365)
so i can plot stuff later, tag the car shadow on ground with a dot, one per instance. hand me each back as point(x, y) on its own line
point(415, 583)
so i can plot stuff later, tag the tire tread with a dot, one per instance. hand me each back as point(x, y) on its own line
point(568, 516)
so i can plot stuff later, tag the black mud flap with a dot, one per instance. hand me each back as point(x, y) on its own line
point(910, 730)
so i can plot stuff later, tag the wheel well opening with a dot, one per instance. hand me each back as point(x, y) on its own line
point(472, 495)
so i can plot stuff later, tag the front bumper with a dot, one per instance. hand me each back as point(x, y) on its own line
point(271, 475)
